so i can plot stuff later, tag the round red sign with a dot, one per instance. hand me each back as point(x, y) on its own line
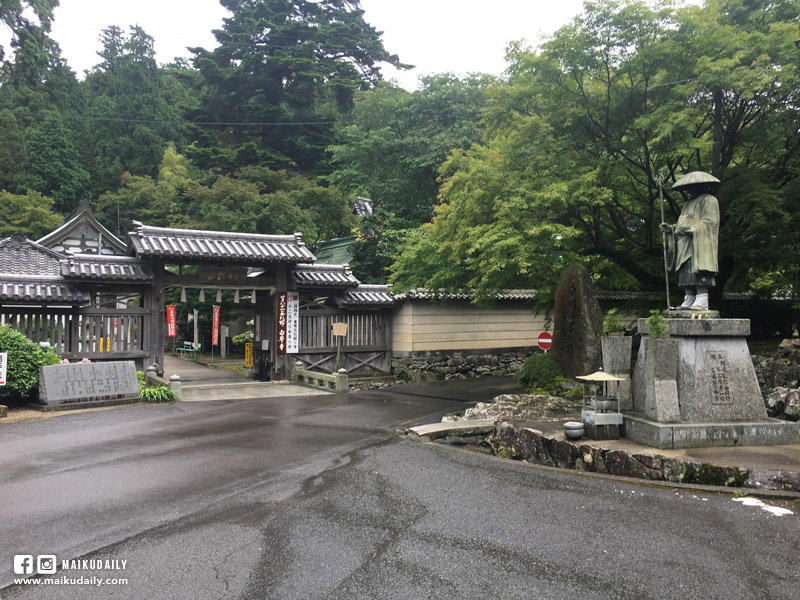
point(545, 340)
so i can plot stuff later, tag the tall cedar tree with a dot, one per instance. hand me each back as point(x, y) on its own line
point(283, 61)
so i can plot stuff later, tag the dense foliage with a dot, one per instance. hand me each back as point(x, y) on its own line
point(477, 182)
point(584, 129)
point(22, 370)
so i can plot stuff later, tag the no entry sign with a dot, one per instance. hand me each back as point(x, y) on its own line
point(545, 340)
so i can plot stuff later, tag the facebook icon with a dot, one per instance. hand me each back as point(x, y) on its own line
point(23, 564)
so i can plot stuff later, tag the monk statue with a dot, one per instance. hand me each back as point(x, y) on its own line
point(693, 241)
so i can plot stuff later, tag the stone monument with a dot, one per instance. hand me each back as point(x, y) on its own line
point(577, 324)
point(79, 385)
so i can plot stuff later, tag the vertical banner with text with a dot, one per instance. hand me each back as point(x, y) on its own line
point(215, 327)
point(172, 327)
point(196, 328)
point(3, 366)
point(292, 323)
point(281, 329)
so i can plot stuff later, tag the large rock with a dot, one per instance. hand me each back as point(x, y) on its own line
point(783, 403)
point(577, 324)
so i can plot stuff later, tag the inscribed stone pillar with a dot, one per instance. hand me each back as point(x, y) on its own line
point(577, 324)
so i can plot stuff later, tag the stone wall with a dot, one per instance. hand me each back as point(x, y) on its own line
point(434, 366)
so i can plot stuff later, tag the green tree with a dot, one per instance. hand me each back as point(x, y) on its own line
point(578, 136)
point(31, 214)
point(160, 202)
point(283, 62)
point(52, 165)
point(260, 200)
point(392, 155)
point(130, 120)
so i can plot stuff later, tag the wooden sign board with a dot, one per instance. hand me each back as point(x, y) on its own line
point(340, 329)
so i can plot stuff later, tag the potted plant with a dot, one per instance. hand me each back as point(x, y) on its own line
point(612, 325)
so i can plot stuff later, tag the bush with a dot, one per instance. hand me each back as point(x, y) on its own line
point(22, 372)
point(539, 372)
point(242, 338)
point(157, 393)
point(154, 393)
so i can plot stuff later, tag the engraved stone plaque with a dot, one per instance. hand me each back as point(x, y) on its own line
point(87, 382)
point(717, 361)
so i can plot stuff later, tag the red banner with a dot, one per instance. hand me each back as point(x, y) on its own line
point(171, 325)
point(281, 329)
point(215, 327)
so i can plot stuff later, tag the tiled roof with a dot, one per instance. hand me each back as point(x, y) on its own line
point(425, 294)
point(114, 268)
point(338, 251)
point(626, 295)
point(22, 288)
point(21, 256)
point(218, 245)
point(81, 230)
point(366, 295)
point(325, 276)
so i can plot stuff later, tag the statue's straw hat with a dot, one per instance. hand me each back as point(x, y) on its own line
point(694, 178)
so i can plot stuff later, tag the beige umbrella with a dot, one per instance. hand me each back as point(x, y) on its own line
point(603, 378)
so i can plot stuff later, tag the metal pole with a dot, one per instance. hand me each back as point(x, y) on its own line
point(663, 234)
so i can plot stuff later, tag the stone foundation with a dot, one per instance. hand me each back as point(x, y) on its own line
point(518, 441)
point(441, 366)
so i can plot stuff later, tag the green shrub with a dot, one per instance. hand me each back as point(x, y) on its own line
point(539, 372)
point(22, 372)
point(242, 338)
point(157, 393)
point(154, 393)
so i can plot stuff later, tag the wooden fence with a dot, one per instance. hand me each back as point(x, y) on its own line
point(365, 350)
point(93, 333)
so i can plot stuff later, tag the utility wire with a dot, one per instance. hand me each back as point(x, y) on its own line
point(388, 120)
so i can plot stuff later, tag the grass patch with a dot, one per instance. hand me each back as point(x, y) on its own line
point(239, 370)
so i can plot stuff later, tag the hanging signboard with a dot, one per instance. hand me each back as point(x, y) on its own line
point(172, 327)
point(215, 327)
point(3, 363)
point(292, 323)
point(281, 329)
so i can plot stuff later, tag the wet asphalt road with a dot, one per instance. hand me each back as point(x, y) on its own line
point(316, 498)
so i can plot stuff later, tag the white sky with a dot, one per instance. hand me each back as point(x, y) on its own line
point(459, 36)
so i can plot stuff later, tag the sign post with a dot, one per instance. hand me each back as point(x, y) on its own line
point(248, 355)
point(545, 340)
point(3, 367)
point(339, 332)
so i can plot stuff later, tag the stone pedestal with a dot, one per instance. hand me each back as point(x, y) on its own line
point(601, 425)
point(699, 388)
point(617, 362)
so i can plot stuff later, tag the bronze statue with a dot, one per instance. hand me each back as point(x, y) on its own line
point(693, 240)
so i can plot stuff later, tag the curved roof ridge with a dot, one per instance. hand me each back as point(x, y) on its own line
point(142, 230)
